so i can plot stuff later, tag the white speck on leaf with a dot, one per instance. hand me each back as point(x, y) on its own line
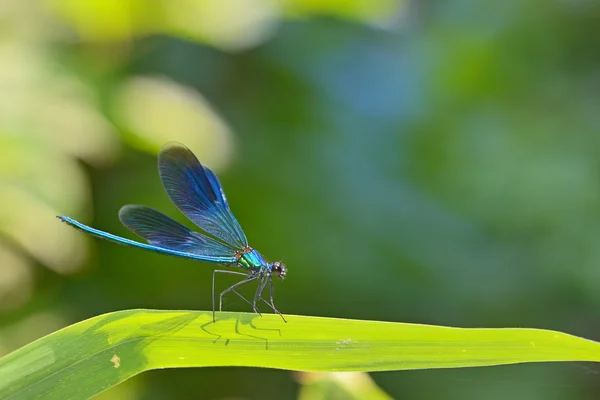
point(116, 360)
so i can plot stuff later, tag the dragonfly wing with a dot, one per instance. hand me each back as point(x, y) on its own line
point(160, 230)
point(216, 186)
point(197, 193)
point(157, 249)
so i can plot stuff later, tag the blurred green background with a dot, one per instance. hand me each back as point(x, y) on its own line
point(431, 162)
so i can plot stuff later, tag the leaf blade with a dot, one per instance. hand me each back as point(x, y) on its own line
point(91, 356)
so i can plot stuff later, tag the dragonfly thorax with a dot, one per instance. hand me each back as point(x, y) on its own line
point(251, 259)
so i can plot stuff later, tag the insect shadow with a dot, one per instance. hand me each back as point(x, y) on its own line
point(240, 320)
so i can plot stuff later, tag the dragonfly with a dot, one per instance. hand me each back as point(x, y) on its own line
point(197, 193)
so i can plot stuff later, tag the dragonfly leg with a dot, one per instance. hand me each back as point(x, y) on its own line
point(259, 290)
point(271, 303)
point(232, 288)
point(222, 271)
point(271, 291)
point(246, 300)
point(275, 310)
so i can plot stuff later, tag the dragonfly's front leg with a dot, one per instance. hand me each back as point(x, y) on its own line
point(271, 290)
point(271, 303)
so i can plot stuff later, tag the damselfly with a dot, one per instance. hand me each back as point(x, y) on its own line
point(197, 193)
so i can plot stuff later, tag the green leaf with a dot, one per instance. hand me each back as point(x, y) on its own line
point(89, 357)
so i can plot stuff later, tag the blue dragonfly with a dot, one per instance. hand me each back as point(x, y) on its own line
point(197, 193)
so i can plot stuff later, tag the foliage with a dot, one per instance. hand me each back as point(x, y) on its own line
point(87, 358)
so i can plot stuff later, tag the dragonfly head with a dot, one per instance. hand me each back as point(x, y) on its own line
point(279, 269)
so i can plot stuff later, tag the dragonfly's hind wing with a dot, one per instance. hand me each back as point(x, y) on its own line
point(145, 246)
point(160, 230)
point(198, 194)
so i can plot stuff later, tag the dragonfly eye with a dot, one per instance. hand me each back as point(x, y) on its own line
point(279, 269)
